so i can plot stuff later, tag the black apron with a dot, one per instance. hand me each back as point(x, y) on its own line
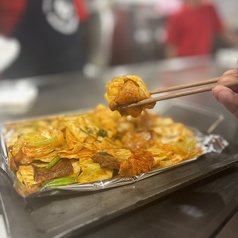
point(51, 40)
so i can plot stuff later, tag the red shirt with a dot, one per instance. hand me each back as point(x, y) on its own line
point(10, 13)
point(12, 10)
point(192, 30)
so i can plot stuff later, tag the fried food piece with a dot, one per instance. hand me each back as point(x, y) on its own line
point(62, 169)
point(140, 162)
point(125, 90)
point(92, 172)
point(135, 141)
point(106, 160)
point(31, 146)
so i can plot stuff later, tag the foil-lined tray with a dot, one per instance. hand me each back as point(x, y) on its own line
point(79, 210)
point(208, 143)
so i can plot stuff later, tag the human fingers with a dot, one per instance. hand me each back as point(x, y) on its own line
point(227, 97)
point(229, 76)
point(231, 71)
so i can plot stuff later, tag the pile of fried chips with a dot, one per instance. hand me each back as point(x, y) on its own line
point(93, 146)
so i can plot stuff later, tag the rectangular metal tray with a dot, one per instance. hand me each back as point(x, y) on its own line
point(62, 216)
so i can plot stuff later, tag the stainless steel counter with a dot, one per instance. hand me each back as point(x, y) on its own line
point(73, 92)
point(198, 209)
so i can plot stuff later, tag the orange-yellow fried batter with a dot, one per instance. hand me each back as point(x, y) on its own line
point(125, 90)
point(140, 162)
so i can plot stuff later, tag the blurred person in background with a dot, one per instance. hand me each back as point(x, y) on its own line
point(227, 96)
point(192, 29)
point(49, 34)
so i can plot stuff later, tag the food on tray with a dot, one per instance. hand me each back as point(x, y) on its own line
point(125, 90)
point(97, 145)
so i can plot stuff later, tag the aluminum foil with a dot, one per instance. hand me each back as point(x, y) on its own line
point(208, 143)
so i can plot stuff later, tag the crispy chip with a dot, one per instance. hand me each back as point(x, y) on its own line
point(25, 175)
point(165, 161)
point(92, 171)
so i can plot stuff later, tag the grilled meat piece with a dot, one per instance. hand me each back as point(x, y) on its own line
point(106, 160)
point(61, 169)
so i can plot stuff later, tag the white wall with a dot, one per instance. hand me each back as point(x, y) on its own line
point(229, 12)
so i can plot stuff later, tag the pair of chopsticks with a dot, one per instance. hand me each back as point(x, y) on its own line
point(190, 89)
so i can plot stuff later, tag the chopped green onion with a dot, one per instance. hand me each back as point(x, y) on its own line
point(53, 162)
point(89, 130)
point(59, 182)
point(165, 159)
point(102, 133)
point(43, 142)
point(102, 153)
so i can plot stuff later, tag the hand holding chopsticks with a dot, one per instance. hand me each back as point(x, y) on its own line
point(190, 88)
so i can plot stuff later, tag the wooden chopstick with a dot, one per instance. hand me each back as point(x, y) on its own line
point(184, 92)
point(188, 85)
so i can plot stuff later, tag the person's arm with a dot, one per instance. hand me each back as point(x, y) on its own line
point(230, 37)
point(219, 25)
point(170, 51)
point(228, 97)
